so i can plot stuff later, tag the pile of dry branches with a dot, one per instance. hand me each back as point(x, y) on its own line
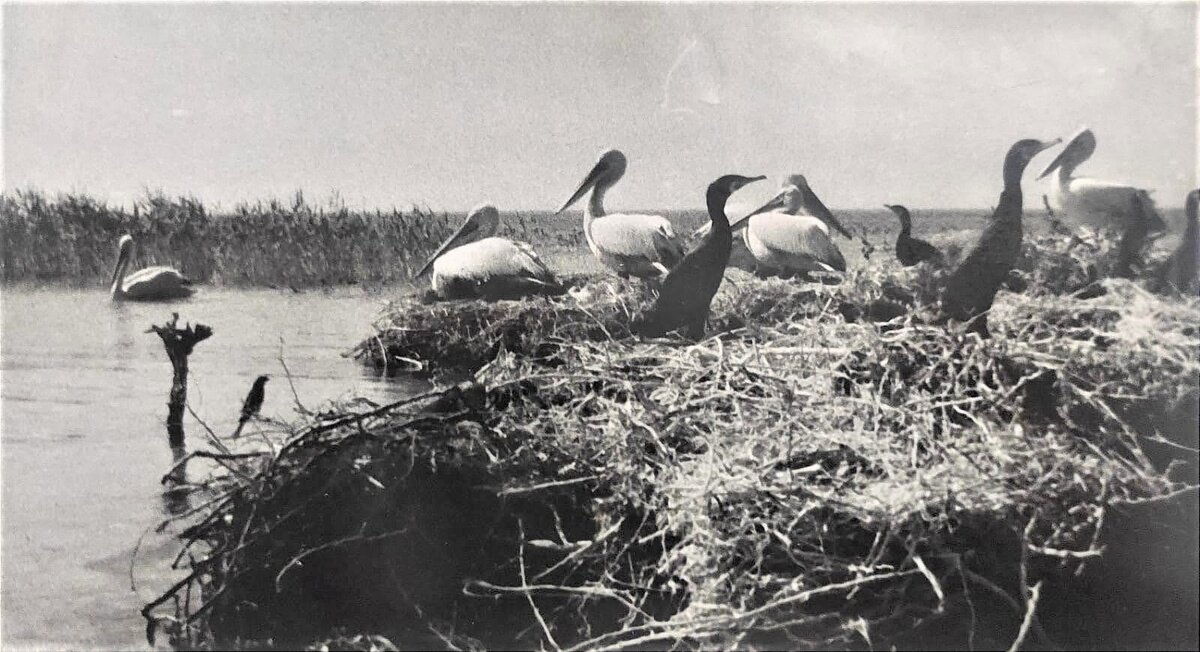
point(830, 470)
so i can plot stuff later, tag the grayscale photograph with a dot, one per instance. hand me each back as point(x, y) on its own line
point(599, 326)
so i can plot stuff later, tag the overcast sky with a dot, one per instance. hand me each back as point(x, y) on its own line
point(448, 105)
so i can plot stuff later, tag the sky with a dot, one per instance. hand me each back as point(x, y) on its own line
point(448, 105)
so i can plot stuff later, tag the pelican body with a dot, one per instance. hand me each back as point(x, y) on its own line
point(910, 250)
point(1084, 201)
point(471, 263)
point(644, 246)
point(790, 233)
point(971, 289)
point(156, 283)
point(688, 290)
point(1179, 271)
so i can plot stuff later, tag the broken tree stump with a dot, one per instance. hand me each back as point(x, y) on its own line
point(179, 343)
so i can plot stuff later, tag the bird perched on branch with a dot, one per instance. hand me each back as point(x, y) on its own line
point(971, 289)
point(910, 250)
point(687, 291)
point(253, 402)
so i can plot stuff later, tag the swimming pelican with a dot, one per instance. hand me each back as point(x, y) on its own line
point(791, 231)
point(156, 283)
point(971, 289)
point(471, 263)
point(632, 245)
point(1092, 202)
point(1179, 271)
point(910, 250)
point(688, 290)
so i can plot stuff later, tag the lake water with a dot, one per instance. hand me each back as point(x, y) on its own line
point(84, 444)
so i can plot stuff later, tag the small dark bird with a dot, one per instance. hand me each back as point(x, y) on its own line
point(1179, 271)
point(971, 289)
point(254, 400)
point(688, 289)
point(910, 250)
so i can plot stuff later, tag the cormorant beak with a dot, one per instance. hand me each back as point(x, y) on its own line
point(1058, 160)
point(468, 227)
point(588, 182)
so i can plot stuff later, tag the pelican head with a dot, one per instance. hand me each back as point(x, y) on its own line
point(1079, 149)
point(1019, 156)
point(605, 173)
point(789, 199)
point(481, 222)
point(124, 254)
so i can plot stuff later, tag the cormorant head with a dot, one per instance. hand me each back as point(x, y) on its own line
point(1019, 156)
point(727, 185)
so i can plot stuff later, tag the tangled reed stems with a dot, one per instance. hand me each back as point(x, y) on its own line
point(829, 470)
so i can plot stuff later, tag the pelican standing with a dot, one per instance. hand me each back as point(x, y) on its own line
point(471, 263)
point(1084, 201)
point(632, 245)
point(688, 290)
point(910, 250)
point(1179, 271)
point(971, 289)
point(156, 283)
point(790, 233)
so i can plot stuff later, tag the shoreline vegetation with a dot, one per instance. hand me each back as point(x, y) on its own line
point(826, 469)
point(299, 244)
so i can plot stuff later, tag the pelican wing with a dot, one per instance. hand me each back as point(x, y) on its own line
point(492, 257)
point(795, 242)
point(1103, 204)
point(156, 283)
point(642, 238)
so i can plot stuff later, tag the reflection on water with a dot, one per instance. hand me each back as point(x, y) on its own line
point(84, 444)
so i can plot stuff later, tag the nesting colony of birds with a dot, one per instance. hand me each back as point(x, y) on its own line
point(677, 454)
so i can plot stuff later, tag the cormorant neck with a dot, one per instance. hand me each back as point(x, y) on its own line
point(905, 226)
point(716, 209)
point(1014, 168)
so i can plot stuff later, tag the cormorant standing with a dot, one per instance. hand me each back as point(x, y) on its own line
point(688, 289)
point(971, 289)
point(910, 250)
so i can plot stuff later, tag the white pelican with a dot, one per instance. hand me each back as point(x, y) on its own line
point(1084, 201)
point(790, 233)
point(632, 245)
point(150, 284)
point(472, 263)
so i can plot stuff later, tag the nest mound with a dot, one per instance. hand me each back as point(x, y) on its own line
point(818, 474)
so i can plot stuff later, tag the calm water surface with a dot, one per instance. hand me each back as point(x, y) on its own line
point(84, 444)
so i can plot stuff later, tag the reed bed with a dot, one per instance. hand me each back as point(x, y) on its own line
point(829, 468)
point(297, 244)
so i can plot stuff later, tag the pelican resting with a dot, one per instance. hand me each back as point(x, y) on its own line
point(790, 233)
point(644, 246)
point(688, 290)
point(1179, 271)
point(472, 264)
point(156, 283)
point(971, 289)
point(910, 250)
point(1084, 201)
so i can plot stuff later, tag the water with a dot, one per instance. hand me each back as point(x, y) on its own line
point(84, 445)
